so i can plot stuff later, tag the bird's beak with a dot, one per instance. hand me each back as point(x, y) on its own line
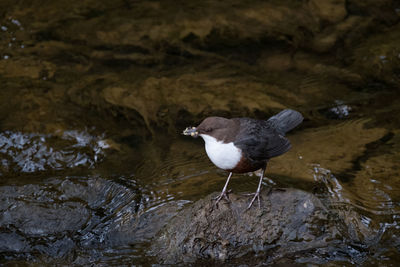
point(192, 131)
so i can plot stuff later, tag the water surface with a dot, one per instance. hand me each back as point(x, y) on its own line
point(94, 96)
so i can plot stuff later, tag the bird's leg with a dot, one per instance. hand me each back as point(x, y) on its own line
point(257, 193)
point(223, 193)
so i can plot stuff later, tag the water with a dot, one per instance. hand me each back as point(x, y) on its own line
point(94, 96)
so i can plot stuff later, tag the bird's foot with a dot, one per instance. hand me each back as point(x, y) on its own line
point(224, 194)
point(256, 195)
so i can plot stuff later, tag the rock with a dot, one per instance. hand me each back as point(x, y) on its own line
point(196, 93)
point(289, 221)
point(378, 56)
point(341, 146)
point(332, 11)
point(23, 67)
point(246, 60)
point(324, 41)
point(62, 217)
point(384, 10)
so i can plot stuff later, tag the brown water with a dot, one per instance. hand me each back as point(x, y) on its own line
point(92, 162)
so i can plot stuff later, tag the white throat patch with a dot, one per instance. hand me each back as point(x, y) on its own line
point(224, 156)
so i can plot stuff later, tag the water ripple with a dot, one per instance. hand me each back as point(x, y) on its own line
point(79, 218)
point(371, 216)
point(32, 152)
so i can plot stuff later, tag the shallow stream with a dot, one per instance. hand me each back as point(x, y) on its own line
point(92, 162)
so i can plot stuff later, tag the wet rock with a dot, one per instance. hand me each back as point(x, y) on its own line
point(378, 57)
point(276, 61)
point(74, 216)
point(334, 147)
point(290, 221)
point(384, 10)
point(197, 93)
point(12, 242)
point(339, 111)
point(35, 219)
point(326, 39)
point(328, 10)
point(25, 67)
point(38, 152)
point(116, 59)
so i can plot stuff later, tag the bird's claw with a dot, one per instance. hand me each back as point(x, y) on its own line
point(256, 195)
point(224, 194)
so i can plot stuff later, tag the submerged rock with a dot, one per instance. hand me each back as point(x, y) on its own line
point(289, 222)
point(78, 219)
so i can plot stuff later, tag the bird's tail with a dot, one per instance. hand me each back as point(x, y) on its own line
point(285, 120)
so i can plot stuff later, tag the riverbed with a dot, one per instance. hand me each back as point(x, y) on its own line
point(95, 94)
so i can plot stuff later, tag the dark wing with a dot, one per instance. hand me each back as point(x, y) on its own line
point(260, 140)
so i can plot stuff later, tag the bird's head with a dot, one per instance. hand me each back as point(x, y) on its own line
point(212, 126)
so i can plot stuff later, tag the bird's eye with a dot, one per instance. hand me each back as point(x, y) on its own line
point(208, 129)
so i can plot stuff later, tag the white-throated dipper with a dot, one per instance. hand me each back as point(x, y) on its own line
point(241, 145)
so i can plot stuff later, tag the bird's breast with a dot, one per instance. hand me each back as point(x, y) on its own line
point(224, 155)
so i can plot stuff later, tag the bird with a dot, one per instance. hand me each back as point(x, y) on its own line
point(241, 145)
